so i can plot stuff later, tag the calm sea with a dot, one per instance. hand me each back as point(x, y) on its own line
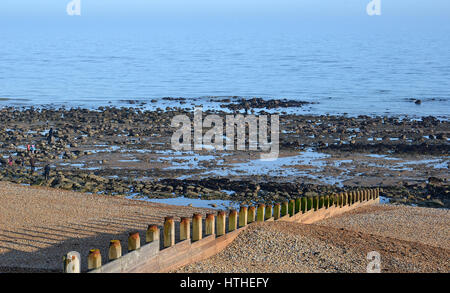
point(353, 71)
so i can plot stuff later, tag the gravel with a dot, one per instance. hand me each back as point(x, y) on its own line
point(331, 245)
point(425, 225)
point(39, 225)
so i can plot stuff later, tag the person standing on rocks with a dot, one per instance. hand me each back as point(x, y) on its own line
point(47, 172)
point(32, 164)
point(10, 161)
point(50, 138)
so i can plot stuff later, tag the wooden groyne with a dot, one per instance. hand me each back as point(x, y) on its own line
point(202, 238)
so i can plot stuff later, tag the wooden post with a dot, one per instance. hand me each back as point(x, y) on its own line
point(298, 205)
point(284, 208)
point(242, 216)
point(232, 222)
point(72, 263)
point(209, 224)
point(251, 214)
point(221, 223)
point(260, 212)
point(276, 211)
point(185, 228)
point(169, 232)
point(310, 203)
point(115, 250)
point(152, 234)
point(94, 259)
point(326, 202)
point(197, 227)
point(316, 203)
point(268, 212)
point(291, 207)
point(304, 204)
point(344, 198)
point(134, 241)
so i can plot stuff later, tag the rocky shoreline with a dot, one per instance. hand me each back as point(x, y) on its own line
point(127, 151)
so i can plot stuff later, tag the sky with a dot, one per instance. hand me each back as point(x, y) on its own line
point(28, 14)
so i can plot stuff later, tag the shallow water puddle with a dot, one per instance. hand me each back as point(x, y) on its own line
point(384, 200)
point(283, 166)
point(195, 202)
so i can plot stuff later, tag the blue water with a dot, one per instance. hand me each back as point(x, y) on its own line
point(343, 71)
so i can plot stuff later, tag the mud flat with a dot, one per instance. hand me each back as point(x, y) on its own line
point(337, 245)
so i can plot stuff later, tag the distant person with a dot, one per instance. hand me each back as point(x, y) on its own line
point(47, 172)
point(50, 136)
point(10, 161)
point(28, 148)
point(32, 164)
